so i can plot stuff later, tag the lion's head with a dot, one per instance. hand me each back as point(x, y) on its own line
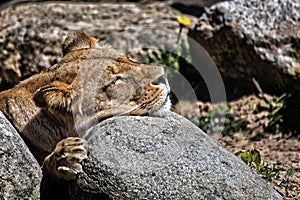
point(97, 80)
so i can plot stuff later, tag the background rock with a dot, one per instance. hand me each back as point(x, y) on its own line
point(163, 158)
point(9, 3)
point(254, 39)
point(31, 34)
point(20, 173)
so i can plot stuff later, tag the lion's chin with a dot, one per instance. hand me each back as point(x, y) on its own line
point(163, 110)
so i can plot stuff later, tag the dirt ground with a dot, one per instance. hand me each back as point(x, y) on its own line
point(280, 152)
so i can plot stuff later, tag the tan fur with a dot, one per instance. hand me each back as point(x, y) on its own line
point(51, 109)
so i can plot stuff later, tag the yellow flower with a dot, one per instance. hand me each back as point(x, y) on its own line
point(183, 21)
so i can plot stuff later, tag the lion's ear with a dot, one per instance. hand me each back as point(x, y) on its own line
point(56, 97)
point(78, 40)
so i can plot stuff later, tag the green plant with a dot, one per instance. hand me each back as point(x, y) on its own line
point(275, 114)
point(220, 120)
point(173, 59)
point(253, 157)
point(290, 187)
point(250, 156)
point(268, 173)
point(290, 172)
point(163, 57)
point(274, 108)
point(287, 183)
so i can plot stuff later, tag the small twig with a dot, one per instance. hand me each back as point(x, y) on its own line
point(256, 84)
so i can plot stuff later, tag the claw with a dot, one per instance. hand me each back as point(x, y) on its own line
point(69, 173)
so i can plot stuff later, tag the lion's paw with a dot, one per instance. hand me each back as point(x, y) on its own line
point(65, 161)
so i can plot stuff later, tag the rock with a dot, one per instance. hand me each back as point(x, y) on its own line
point(254, 39)
point(133, 157)
point(31, 34)
point(20, 173)
point(10, 3)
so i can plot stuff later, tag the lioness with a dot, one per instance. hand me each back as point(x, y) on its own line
point(52, 109)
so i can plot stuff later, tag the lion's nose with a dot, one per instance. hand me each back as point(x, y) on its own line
point(160, 80)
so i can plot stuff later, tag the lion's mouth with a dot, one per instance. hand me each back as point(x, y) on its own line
point(163, 109)
point(157, 106)
point(163, 105)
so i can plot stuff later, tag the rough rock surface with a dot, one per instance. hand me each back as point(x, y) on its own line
point(163, 158)
point(20, 173)
point(254, 39)
point(187, 4)
point(31, 34)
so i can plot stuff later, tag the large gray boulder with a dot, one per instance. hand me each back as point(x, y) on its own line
point(139, 157)
point(20, 174)
point(163, 158)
